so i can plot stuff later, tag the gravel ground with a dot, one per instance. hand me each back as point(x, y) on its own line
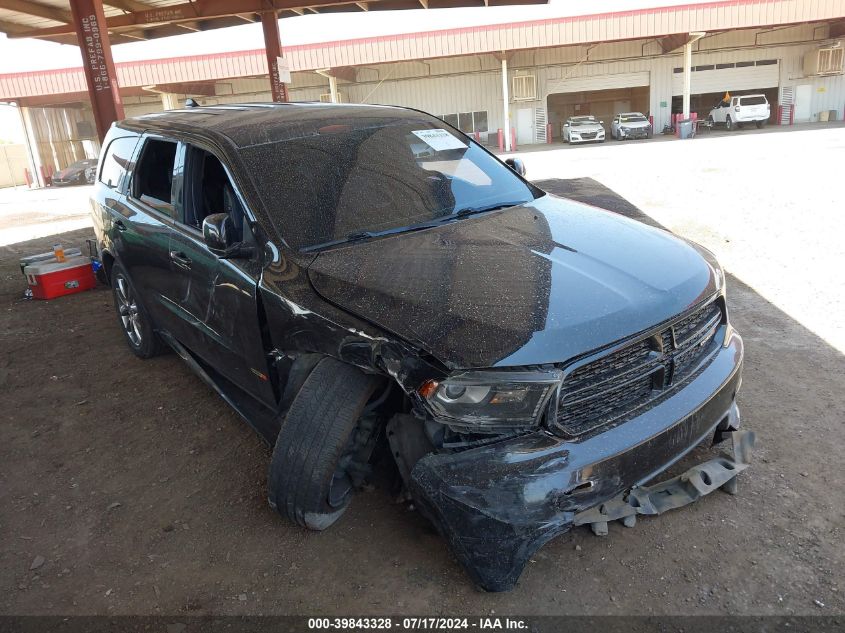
point(128, 487)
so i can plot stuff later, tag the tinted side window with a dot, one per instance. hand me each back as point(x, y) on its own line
point(209, 190)
point(153, 180)
point(117, 160)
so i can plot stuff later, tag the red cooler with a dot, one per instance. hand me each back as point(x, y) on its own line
point(52, 279)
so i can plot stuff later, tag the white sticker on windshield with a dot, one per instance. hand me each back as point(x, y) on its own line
point(438, 139)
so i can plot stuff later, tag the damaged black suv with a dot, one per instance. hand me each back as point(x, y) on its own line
point(366, 280)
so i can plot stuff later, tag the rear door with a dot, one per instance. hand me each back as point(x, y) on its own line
point(142, 223)
point(216, 299)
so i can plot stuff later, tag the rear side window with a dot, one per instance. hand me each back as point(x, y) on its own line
point(759, 100)
point(153, 180)
point(116, 161)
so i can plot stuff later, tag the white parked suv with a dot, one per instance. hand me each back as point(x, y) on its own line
point(741, 109)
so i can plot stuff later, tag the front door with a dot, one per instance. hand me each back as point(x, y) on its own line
point(215, 298)
point(524, 126)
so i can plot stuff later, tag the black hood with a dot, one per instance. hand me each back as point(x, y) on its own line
point(540, 283)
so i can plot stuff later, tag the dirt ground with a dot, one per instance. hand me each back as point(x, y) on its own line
point(128, 487)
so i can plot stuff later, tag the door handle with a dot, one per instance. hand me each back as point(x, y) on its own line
point(119, 225)
point(180, 259)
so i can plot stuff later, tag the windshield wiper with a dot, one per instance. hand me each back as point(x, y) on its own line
point(360, 236)
point(462, 213)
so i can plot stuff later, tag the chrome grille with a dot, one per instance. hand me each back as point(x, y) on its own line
point(613, 387)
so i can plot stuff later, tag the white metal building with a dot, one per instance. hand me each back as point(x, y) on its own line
point(790, 49)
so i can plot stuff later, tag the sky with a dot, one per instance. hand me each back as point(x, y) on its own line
point(17, 55)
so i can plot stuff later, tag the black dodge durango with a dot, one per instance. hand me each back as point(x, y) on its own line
point(366, 284)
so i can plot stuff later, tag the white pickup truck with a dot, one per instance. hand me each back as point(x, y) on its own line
point(740, 110)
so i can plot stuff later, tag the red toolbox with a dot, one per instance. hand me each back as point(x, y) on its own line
point(52, 279)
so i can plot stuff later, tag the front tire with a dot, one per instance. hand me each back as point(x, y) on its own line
point(308, 481)
point(729, 124)
point(136, 324)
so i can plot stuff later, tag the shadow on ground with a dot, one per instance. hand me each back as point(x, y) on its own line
point(128, 487)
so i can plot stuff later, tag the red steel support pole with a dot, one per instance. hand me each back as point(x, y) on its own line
point(273, 48)
point(93, 38)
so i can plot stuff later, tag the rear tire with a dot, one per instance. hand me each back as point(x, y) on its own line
point(307, 481)
point(759, 124)
point(138, 329)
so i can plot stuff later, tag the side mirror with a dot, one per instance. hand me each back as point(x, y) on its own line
point(601, 122)
point(219, 234)
point(566, 125)
point(517, 165)
point(218, 231)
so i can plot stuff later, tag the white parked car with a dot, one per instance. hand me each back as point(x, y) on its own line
point(742, 109)
point(630, 125)
point(583, 129)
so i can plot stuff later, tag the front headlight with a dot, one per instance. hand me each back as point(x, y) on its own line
point(491, 401)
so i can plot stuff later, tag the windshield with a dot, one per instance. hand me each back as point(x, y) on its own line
point(376, 175)
point(632, 118)
point(586, 121)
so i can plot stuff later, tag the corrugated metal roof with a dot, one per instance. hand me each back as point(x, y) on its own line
point(640, 24)
point(132, 20)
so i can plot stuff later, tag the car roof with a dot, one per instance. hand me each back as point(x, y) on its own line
point(249, 124)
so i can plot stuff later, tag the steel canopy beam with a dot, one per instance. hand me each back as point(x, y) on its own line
point(38, 10)
point(273, 48)
point(203, 9)
point(673, 42)
point(97, 63)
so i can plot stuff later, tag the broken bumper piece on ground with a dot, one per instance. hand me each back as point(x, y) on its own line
point(677, 492)
point(498, 504)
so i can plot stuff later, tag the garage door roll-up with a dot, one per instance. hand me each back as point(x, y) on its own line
point(598, 82)
point(729, 79)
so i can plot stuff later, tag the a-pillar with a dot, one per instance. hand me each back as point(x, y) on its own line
point(273, 48)
point(93, 38)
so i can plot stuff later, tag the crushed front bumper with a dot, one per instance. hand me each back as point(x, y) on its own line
point(499, 503)
point(634, 133)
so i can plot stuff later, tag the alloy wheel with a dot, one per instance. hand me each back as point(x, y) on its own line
point(127, 307)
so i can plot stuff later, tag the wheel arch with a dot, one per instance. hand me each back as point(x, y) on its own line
point(108, 261)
